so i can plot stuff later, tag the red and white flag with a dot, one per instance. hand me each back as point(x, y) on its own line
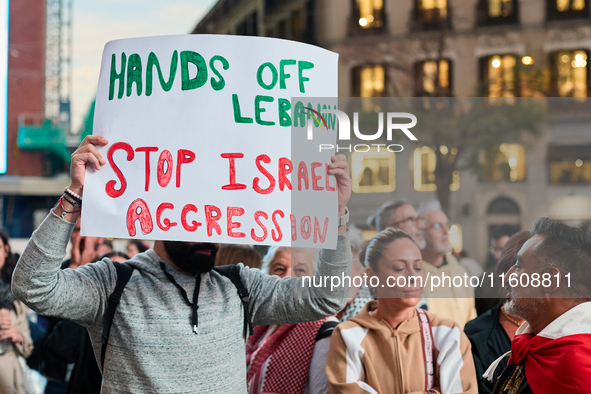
point(558, 359)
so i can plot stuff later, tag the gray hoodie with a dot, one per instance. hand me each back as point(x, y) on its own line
point(152, 346)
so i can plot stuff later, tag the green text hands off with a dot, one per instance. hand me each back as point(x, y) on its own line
point(131, 71)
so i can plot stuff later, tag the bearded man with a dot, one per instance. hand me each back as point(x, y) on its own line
point(179, 325)
point(551, 290)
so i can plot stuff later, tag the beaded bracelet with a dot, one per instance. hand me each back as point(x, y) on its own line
point(75, 204)
point(64, 213)
point(75, 196)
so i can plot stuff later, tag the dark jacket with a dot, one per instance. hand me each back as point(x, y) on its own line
point(489, 342)
point(510, 373)
point(64, 345)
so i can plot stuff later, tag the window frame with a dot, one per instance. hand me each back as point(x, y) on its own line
point(484, 19)
point(309, 31)
point(418, 78)
point(554, 71)
point(555, 156)
point(356, 30)
point(552, 13)
point(249, 25)
point(418, 184)
point(483, 164)
point(419, 24)
point(356, 79)
point(483, 64)
point(355, 178)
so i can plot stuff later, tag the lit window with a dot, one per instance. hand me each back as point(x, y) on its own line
point(568, 9)
point(500, 74)
point(373, 171)
point(570, 165)
point(572, 70)
point(433, 9)
point(430, 14)
point(504, 163)
point(497, 12)
point(370, 13)
point(455, 237)
point(369, 81)
point(570, 5)
point(433, 78)
point(500, 8)
point(425, 163)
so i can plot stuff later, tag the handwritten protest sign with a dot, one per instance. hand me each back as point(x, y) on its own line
point(200, 142)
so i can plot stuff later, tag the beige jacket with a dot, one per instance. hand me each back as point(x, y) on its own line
point(455, 303)
point(369, 356)
point(11, 378)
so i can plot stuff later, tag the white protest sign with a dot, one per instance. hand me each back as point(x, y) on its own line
point(200, 142)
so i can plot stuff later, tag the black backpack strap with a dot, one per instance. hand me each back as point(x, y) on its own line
point(124, 272)
point(326, 329)
point(232, 272)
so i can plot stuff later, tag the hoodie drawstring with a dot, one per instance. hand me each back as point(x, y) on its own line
point(193, 304)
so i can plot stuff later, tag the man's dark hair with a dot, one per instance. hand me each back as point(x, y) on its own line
point(11, 259)
point(384, 213)
point(502, 231)
point(141, 247)
point(568, 249)
point(114, 253)
point(234, 254)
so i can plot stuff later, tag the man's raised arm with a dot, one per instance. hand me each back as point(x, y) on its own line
point(38, 281)
point(292, 300)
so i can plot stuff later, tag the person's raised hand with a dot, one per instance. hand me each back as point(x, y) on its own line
point(340, 169)
point(11, 333)
point(86, 154)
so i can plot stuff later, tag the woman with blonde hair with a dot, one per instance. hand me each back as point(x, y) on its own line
point(392, 346)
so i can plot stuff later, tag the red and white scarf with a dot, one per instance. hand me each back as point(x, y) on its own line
point(558, 359)
point(289, 351)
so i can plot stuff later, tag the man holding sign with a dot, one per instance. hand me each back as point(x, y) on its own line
point(197, 139)
point(178, 327)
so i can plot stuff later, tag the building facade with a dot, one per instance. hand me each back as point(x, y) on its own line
point(26, 191)
point(459, 48)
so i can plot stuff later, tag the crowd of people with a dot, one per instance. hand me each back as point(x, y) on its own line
point(200, 317)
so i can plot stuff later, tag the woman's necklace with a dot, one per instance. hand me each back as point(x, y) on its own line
point(509, 317)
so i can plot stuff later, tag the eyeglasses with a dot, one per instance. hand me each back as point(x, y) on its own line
point(438, 226)
point(414, 219)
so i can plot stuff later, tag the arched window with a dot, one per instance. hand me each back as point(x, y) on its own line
point(503, 206)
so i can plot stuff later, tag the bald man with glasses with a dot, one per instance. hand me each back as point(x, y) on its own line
point(456, 303)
